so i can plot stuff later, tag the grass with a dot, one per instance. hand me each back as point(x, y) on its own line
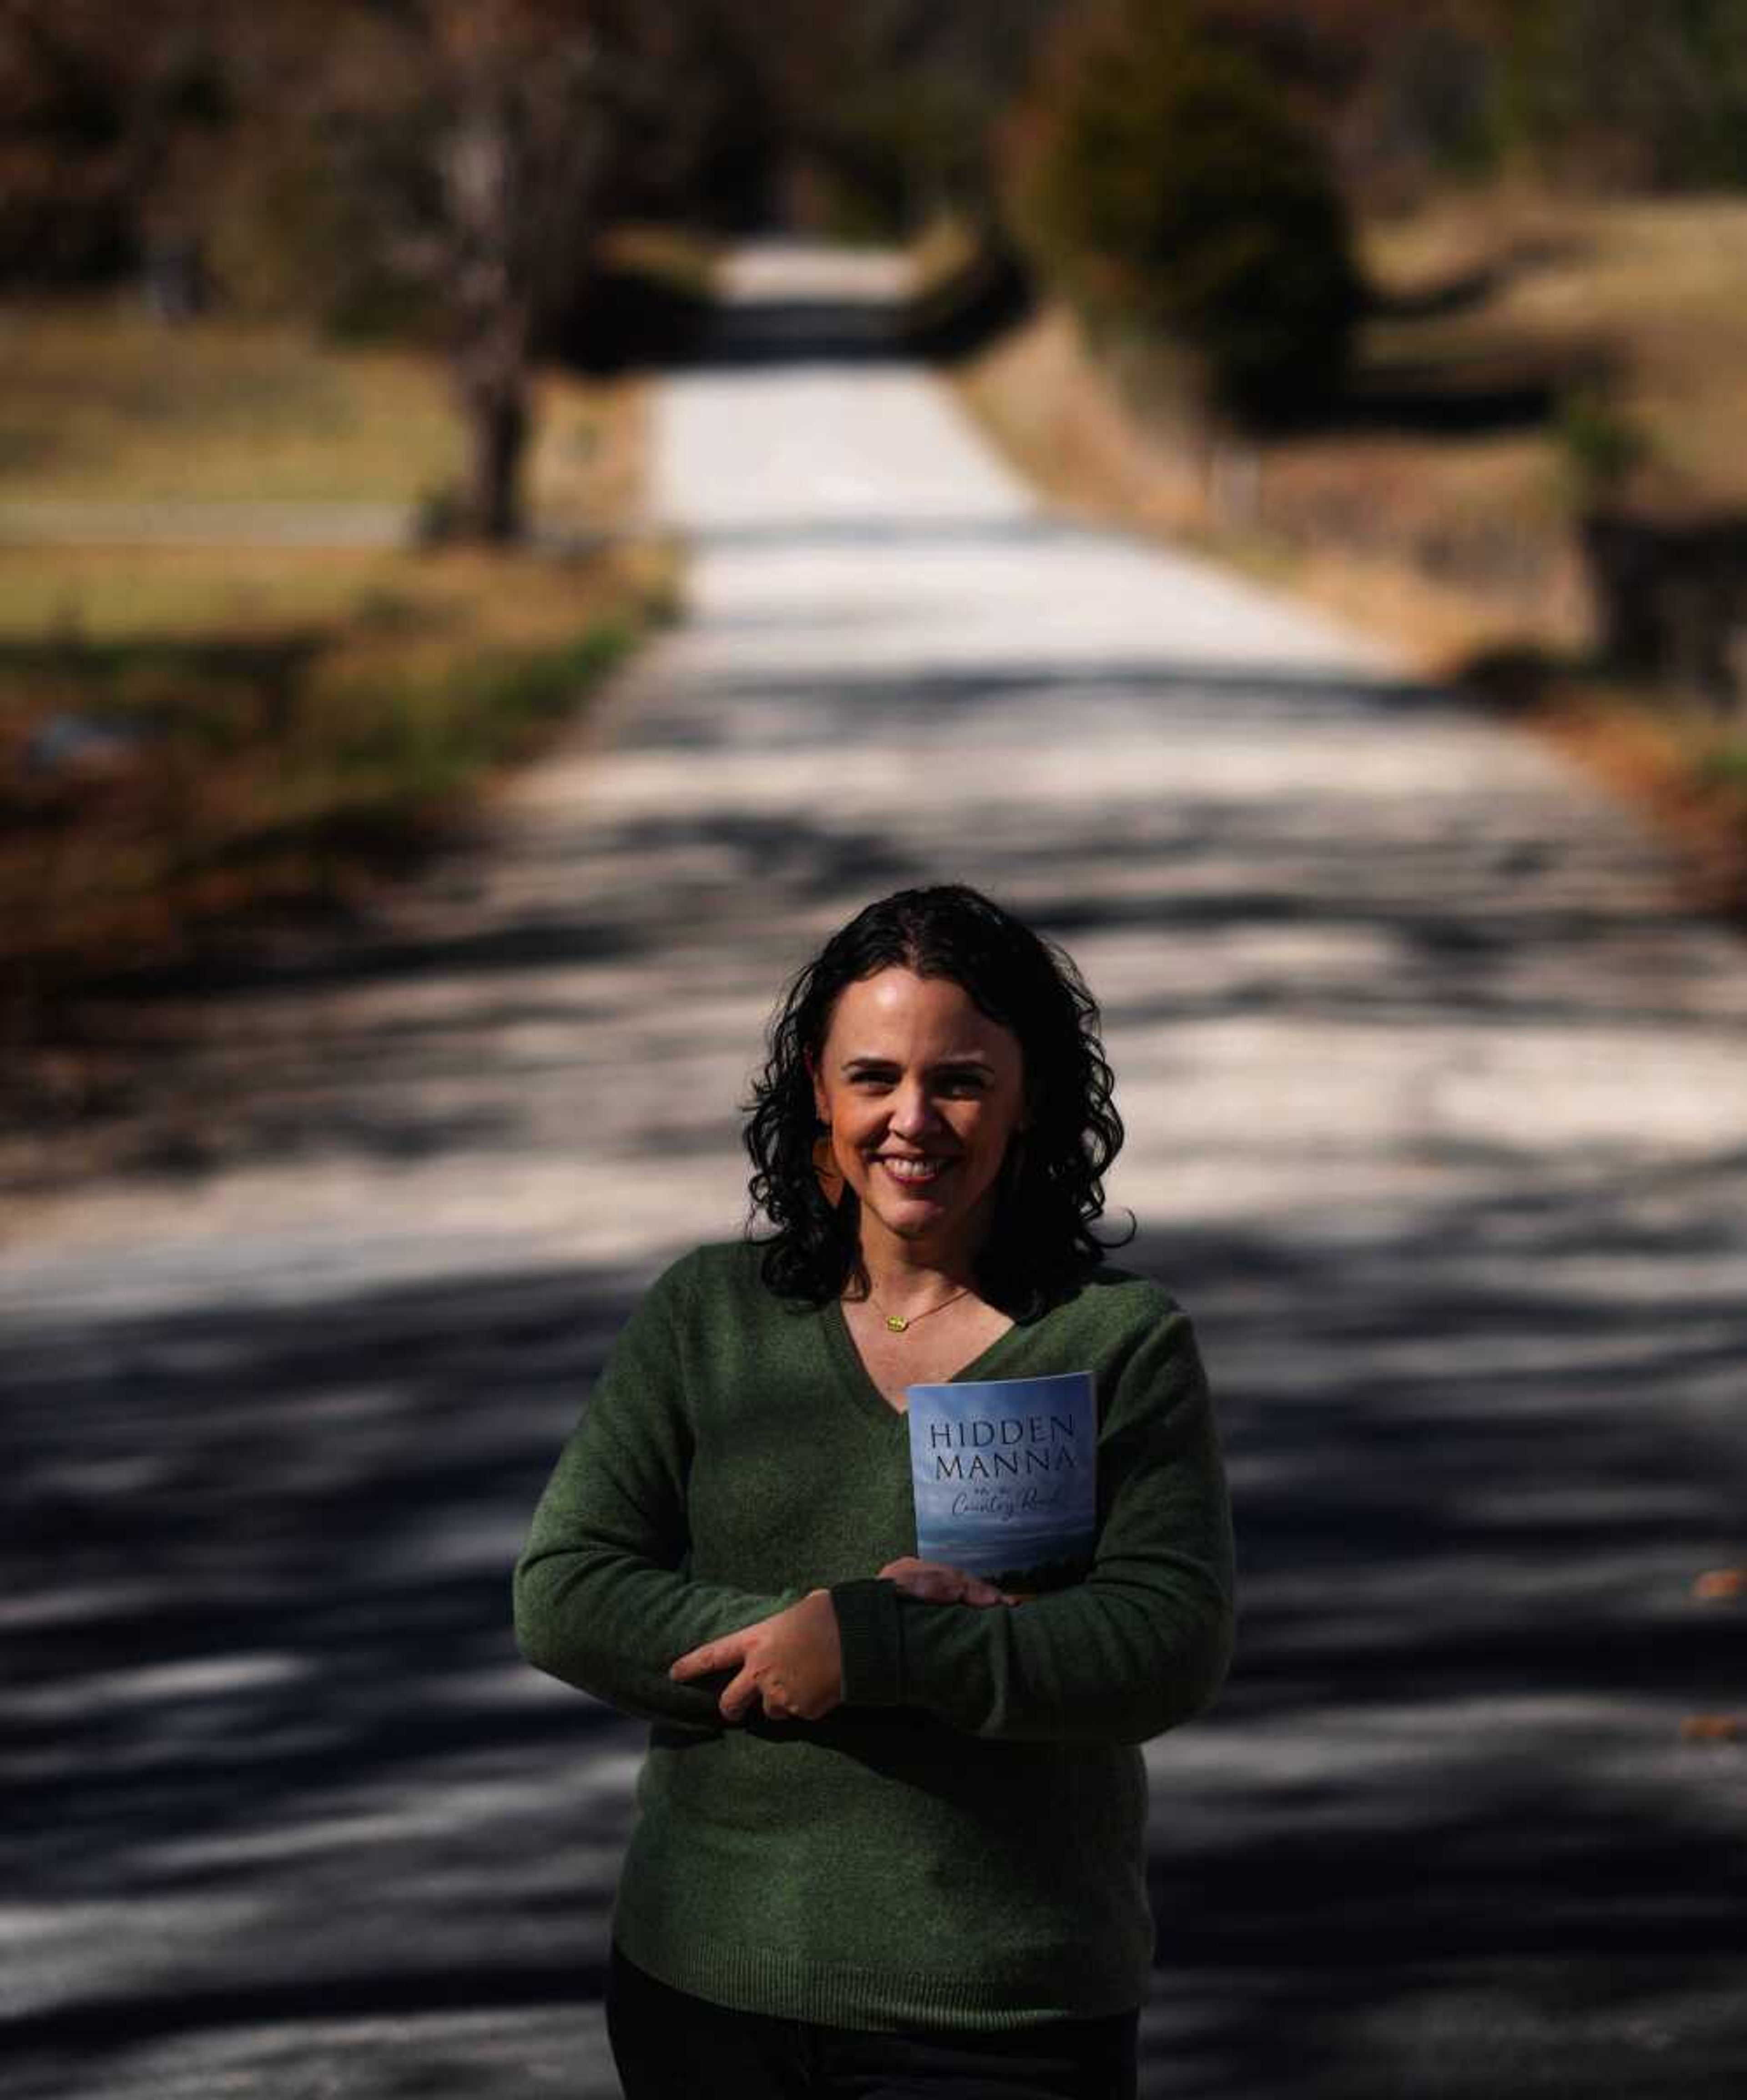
point(1438, 509)
point(102, 404)
point(279, 733)
point(1658, 285)
point(260, 728)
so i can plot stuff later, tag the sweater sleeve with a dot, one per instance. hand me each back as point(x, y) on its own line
point(603, 1600)
point(1142, 1644)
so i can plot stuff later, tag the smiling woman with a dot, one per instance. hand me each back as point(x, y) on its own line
point(890, 1825)
point(920, 1094)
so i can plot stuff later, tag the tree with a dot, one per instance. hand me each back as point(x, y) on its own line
point(1163, 181)
point(1637, 96)
point(472, 148)
point(480, 142)
point(867, 113)
point(523, 150)
point(105, 135)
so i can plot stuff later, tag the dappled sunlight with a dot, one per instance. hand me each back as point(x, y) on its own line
point(1437, 1111)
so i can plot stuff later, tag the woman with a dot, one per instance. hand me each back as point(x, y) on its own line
point(890, 1829)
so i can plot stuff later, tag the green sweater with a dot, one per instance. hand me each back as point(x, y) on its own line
point(960, 1844)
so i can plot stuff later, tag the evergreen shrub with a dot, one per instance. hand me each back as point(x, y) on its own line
point(1165, 182)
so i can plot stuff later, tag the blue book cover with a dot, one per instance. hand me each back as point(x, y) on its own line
point(1004, 1472)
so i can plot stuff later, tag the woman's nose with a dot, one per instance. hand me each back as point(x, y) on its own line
point(911, 1111)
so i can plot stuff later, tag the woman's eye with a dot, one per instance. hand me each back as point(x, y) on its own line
point(955, 1086)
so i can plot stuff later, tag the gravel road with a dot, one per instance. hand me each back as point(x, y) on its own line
point(1437, 1105)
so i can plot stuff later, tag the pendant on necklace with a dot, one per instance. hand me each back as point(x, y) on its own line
point(897, 1323)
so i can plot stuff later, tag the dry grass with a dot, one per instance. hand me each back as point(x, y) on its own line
point(1050, 404)
point(586, 465)
point(1658, 285)
point(190, 736)
point(99, 404)
point(673, 255)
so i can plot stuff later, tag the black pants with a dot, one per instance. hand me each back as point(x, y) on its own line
point(669, 2046)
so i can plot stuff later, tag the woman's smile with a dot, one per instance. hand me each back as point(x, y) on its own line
point(911, 1173)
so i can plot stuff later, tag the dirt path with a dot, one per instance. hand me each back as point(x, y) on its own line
point(1437, 1106)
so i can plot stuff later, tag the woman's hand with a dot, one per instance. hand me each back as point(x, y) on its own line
point(935, 1583)
point(790, 1664)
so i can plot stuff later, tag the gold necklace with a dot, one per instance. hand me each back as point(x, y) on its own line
point(900, 1324)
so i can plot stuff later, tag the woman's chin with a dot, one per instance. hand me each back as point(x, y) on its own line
point(907, 1217)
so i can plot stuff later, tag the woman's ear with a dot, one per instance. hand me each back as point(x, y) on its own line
point(820, 1108)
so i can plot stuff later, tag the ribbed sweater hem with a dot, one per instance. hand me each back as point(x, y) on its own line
point(838, 1994)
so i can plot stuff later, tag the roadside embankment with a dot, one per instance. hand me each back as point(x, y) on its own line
point(1527, 362)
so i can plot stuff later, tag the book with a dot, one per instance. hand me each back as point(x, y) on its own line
point(1005, 1476)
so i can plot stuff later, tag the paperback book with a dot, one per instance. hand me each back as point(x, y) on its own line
point(1005, 1477)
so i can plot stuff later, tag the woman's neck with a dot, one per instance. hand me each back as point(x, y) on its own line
point(908, 1272)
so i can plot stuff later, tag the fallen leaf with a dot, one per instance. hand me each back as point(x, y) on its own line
point(1713, 1728)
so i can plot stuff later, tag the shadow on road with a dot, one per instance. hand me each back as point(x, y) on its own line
point(257, 1572)
point(274, 1762)
point(385, 1039)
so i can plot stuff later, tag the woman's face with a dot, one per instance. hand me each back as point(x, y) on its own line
point(922, 1093)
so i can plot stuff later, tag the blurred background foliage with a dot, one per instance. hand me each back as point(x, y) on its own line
point(1438, 313)
point(1166, 182)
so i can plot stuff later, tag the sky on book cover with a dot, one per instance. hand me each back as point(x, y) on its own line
point(1005, 1470)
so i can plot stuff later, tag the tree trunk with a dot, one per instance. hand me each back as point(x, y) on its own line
point(497, 436)
point(491, 375)
point(487, 181)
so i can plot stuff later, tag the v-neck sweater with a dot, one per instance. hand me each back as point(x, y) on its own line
point(961, 1843)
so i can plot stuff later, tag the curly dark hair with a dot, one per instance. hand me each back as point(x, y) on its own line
point(1052, 1182)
